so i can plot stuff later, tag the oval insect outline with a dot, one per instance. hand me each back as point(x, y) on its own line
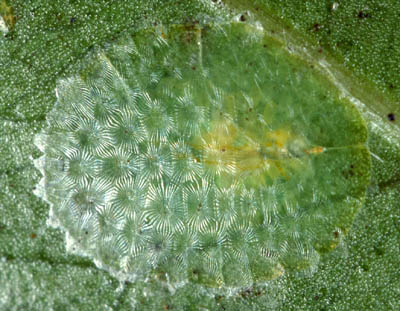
point(200, 154)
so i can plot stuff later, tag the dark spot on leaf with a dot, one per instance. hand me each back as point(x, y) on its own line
point(33, 235)
point(391, 117)
point(218, 298)
point(316, 27)
point(245, 293)
point(362, 15)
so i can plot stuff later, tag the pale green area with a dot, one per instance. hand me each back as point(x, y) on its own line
point(36, 273)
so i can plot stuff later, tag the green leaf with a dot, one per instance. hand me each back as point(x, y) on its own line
point(50, 40)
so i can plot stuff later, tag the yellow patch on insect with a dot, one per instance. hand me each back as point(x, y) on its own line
point(229, 150)
point(315, 150)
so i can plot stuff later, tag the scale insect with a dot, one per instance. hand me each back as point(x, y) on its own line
point(226, 175)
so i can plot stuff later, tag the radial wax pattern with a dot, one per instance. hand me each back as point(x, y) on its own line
point(202, 154)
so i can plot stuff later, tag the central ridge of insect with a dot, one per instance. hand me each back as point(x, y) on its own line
point(226, 148)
